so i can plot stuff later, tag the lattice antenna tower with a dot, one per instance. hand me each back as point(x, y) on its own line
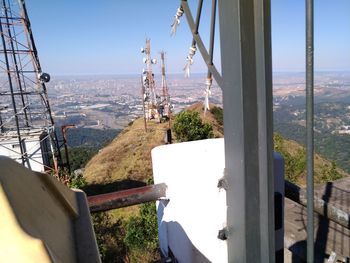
point(148, 83)
point(27, 127)
point(165, 91)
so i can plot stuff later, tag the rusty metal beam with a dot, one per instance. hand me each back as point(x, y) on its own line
point(298, 195)
point(125, 198)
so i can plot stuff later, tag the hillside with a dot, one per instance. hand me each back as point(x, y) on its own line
point(295, 163)
point(126, 163)
point(128, 156)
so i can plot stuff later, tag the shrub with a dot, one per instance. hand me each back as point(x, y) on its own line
point(218, 114)
point(188, 126)
point(109, 237)
point(329, 173)
point(295, 165)
point(141, 231)
point(77, 182)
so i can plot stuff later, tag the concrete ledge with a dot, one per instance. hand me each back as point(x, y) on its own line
point(41, 219)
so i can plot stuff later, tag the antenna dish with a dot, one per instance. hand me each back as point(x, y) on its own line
point(142, 50)
point(144, 60)
point(44, 77)
point(154, 61)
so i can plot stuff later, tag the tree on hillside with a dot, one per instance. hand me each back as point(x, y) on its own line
point(188, 126)
point(218, 114)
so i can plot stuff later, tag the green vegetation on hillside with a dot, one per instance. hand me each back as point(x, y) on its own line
point(331, 146)
point(79, 156)
point(123, 238)
point(142, 234)
point(89, 137)
point(110, 234)
point(295, 163)
point(188, 126)
point(218, 114)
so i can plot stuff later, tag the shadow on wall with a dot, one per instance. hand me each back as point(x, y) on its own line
point(180, 246)
point(174, 242)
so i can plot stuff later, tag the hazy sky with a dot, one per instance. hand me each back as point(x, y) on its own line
point(105, 37)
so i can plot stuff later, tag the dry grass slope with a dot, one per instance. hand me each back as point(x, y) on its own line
point(128, 157)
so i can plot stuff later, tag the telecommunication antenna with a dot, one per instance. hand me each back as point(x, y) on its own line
point(165, 103)
point(27, 131)
point(143, 103)
point(150, 97)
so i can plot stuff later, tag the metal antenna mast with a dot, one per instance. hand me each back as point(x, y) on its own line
point(27, 131)
point(166, 105)
point(150, 98)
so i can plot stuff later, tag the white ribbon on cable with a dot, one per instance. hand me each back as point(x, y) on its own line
point(189, 59)
point(176, 22)
point(207, 93)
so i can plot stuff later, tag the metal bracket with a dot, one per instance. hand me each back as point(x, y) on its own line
point(223, 234)
point(222, 183)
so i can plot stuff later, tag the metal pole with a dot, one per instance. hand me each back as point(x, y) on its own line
point(262, 15)
point(125, 198)
point(143, 104)
point(211, 48)
point(310, 127)
point(246, 84)
point(64, 135)
point(198, 18)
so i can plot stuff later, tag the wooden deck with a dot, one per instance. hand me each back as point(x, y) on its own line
point(329, 236)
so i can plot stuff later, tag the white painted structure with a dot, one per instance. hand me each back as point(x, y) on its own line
point(34, 144)
point(194, 210)
point(190, 222)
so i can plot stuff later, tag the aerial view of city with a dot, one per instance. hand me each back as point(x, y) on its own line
point(175, 131)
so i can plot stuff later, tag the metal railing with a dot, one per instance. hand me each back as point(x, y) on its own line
point(309, 68)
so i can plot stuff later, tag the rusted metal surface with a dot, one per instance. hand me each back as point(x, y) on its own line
point(321, 207)
point(125, 198)
point(64, 128)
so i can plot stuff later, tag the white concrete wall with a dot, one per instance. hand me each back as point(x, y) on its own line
point(190, 222)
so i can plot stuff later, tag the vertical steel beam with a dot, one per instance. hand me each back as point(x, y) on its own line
point(246, 75)
point(310, 127)
point(262, 12)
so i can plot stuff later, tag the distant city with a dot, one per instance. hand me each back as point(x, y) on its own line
point(111, 102)
point(104, 102)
